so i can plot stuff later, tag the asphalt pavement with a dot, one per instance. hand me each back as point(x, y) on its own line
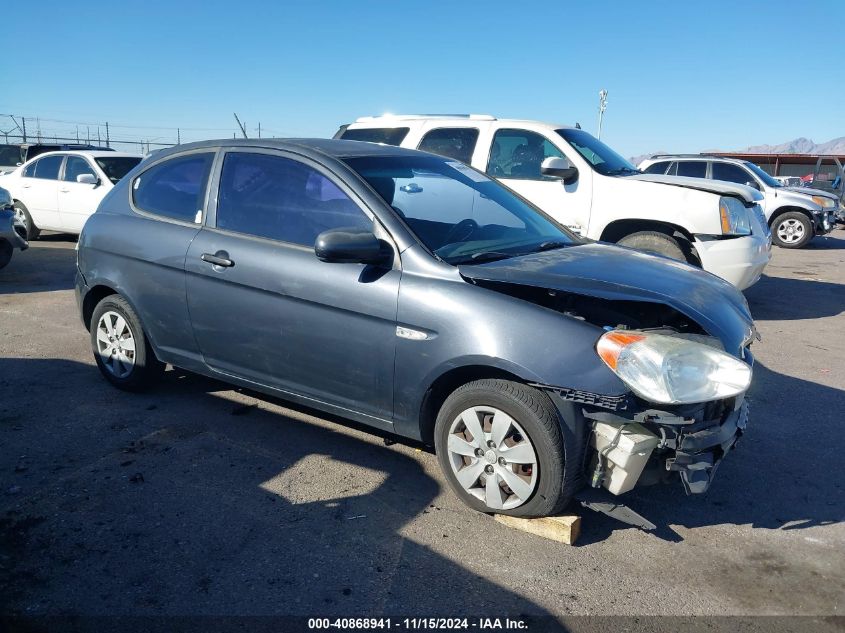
point(200, 499)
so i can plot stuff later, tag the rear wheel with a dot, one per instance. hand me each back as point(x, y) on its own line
point(655, 243)
point(121, 348)
point(6, 251)
point(792, 230)
point(500, 446)
point(23, 222)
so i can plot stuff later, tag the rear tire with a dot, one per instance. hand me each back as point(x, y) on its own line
point(519, 445)
point(792, 229)
point(655, 243)
point(24, 220)
point(6, 251)
point(121, 349)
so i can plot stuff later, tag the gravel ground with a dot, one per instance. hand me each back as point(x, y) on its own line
point(199, 499)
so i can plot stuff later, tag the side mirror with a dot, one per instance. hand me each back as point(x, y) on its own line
point(559, 167)
point(350, 246)
point(87, 179)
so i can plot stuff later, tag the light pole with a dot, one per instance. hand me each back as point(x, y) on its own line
point(602, 107)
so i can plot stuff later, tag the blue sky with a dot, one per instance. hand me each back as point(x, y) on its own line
point(681, 76)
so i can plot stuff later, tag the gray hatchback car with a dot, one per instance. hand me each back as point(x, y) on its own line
point(412, 293)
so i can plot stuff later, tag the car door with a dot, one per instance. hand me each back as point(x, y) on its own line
point(78, 200)
point(515, 158)
point(265, 309)
point(40, 190)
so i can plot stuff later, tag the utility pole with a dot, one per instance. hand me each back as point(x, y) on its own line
point(77, 134)
point(259, 129)
point(38, 128)
point(107, 134)
point(240, 125)
point(602, 108)
point(178, 136)
point(23, 119)
point(88, 127)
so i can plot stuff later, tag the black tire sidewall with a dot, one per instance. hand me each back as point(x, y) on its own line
point(655, 243)
point(547, 440)
point(793, 215)
point(146, 367)
point(6, 252)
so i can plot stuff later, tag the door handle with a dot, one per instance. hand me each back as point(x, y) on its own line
point(65, 190)
point(220, 258)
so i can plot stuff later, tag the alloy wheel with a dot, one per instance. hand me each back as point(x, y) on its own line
point(21, 224)
point(790, 231)
point(116, 344)
point(492, 457)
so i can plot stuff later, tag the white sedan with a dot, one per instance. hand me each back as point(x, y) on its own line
point(57, 191)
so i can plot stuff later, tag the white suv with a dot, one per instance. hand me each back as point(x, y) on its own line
point(794, 215)
point(59, 190)
point(588, 187)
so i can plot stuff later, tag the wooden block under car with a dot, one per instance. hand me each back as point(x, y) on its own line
point(563, 529)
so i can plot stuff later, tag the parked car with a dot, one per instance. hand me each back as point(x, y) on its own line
point(601, 196)
point(11, 235)
point(794, 215)
point(59, 190)
point(15, 155)
point(412, 293)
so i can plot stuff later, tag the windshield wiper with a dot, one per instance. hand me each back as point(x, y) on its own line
point(484, 256)
point(550, 245)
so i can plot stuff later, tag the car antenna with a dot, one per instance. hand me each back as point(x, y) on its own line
point(577, 125)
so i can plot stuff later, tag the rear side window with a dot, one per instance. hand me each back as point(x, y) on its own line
point(385, 135)
point(456, 142)
point(174, 188)
point(692, 168)
point(731, 173)
point(76, 166)
point(46, 168)
point(519, 154)
point(657, 168)
point(282, 199)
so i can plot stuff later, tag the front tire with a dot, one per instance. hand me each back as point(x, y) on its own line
point(6, 251)
point(501, 447)
point(23, 221)
point(655, 243)
point(121, 349)
point(792, 230)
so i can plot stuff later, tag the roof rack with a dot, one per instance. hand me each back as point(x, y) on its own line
point(411, 117)
point(699, 155)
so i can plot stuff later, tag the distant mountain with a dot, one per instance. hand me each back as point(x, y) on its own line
point(798, 146)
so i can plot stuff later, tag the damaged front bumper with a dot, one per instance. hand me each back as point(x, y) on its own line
point(689, 442)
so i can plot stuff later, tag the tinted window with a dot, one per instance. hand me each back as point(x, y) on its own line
point(10, 155)
point(458, 213)
point(282, 199)
point(657, 168)
point(117, 167)
point(731, 173)
point(519, 154)
point(386, 135)
point(174, 188)
point(76, 166)
point(46, 168)
point(457, 143)
point(692, 168)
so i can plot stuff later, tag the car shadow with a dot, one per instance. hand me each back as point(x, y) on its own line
point(780, 476)
point(777, 298)
point(48, 264)
point(158, 503)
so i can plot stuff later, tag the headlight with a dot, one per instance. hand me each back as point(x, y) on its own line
point(669, 370)
point(734, 217)
point(824, 203)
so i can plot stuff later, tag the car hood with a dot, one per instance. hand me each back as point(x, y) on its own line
point(748, 194)
point(616, 273)
point(807, 191)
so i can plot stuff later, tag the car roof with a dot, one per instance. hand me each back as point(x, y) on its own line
point(670, 157)
point(396, 120)
point(88, 152)
point(335, 148)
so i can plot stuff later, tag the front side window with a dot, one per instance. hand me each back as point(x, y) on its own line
point(731, 173)
point(384, 135)
point(762, 175)
point(174, 188)
point(456, 142)
point(519, 154)
point(76, 166)
point(603, 159)
point(282, 199)
point(46, 168)
point(459, 214)
point(692, 168)
point(657, 168)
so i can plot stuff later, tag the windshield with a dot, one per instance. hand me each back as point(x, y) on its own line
point(458, 213)
point(603, 159)
point(766, 178)
point(117, 167)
